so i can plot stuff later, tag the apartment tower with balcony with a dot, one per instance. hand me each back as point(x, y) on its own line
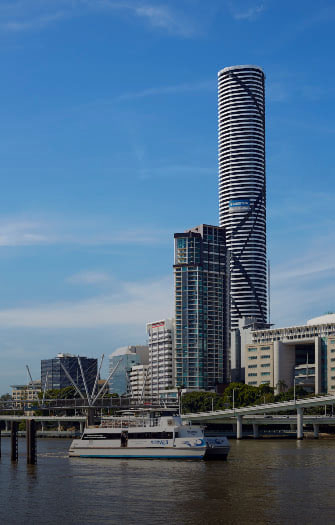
point(201, 308)
point(242, 188)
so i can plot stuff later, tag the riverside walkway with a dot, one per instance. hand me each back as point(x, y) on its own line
point(253, 415)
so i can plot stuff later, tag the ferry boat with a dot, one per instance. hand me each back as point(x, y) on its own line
point(145, 437)
point(217, 447)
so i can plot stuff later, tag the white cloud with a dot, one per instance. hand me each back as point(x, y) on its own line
point(89, 278)
point(132, 304)
point(304, 286)
point(246, 13)
point(97, 231)
point(38, 22)
point(169, 90)
point(34, 15)
point(163, 17)
point(21, 233)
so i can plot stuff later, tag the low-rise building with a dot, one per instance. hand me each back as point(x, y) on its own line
point(301, 355)
point(138, 382)
point(24, 396)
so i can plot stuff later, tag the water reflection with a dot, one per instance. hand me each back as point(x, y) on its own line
point(262, 482)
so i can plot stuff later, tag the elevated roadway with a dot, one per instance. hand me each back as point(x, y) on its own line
point(253, 415)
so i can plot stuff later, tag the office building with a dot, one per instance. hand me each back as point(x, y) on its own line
point(25, 396)
point(242, 190)
point(122, 360)
point(296, 355)
point(53, 375)
point(161, 355)
point(201, 308)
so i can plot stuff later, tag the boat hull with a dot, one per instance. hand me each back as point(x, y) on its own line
point(217, 448)
point(137, 453)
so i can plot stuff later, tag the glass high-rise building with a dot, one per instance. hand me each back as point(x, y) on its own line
point(54, 377)
point(122, 360)
point(242, 189)
point(201, 308)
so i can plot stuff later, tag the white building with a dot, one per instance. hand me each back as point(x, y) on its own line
point(26, 395)
point(161, 355)
point(301, 355)
point(139, 387)
point(242, 187)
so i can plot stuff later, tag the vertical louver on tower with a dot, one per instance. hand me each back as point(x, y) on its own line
point(242, 190)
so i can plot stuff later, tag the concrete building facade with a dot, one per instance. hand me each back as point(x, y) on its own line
point(201, 308)
point(301, 355)
point(24, 396)
point(161, 356)
point(139, 387)
point(242, 188)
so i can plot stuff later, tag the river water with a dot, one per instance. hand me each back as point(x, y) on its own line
point(265, 481)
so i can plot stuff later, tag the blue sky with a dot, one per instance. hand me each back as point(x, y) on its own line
point(108, 144)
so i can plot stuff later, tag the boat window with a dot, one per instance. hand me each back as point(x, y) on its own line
point(150, 435)
point(102, 435)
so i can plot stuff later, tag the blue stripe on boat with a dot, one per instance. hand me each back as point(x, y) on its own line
point(143, 457)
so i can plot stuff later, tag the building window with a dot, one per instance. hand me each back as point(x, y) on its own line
point(254, 374)
point(254, 383)
point(265, 373)
point(265, 365)
point(255, 366)
point(265, 356)
point(265, 348)
point(252, 357)
point(252, 349)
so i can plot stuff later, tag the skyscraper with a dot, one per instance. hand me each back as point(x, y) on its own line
point(242, 190)
point(201, 309)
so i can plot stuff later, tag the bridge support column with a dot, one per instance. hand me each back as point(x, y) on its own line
point(7, 426)
point(90, 416)
point(81, 427)
point(42, 426)
point(59, 426)
point(14, 453)
point(239, 427)
point(316, 430)
point(31, 441)
point(300, 423)
point(255, 428)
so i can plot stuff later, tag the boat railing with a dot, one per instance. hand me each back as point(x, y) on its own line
point(130, 422)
